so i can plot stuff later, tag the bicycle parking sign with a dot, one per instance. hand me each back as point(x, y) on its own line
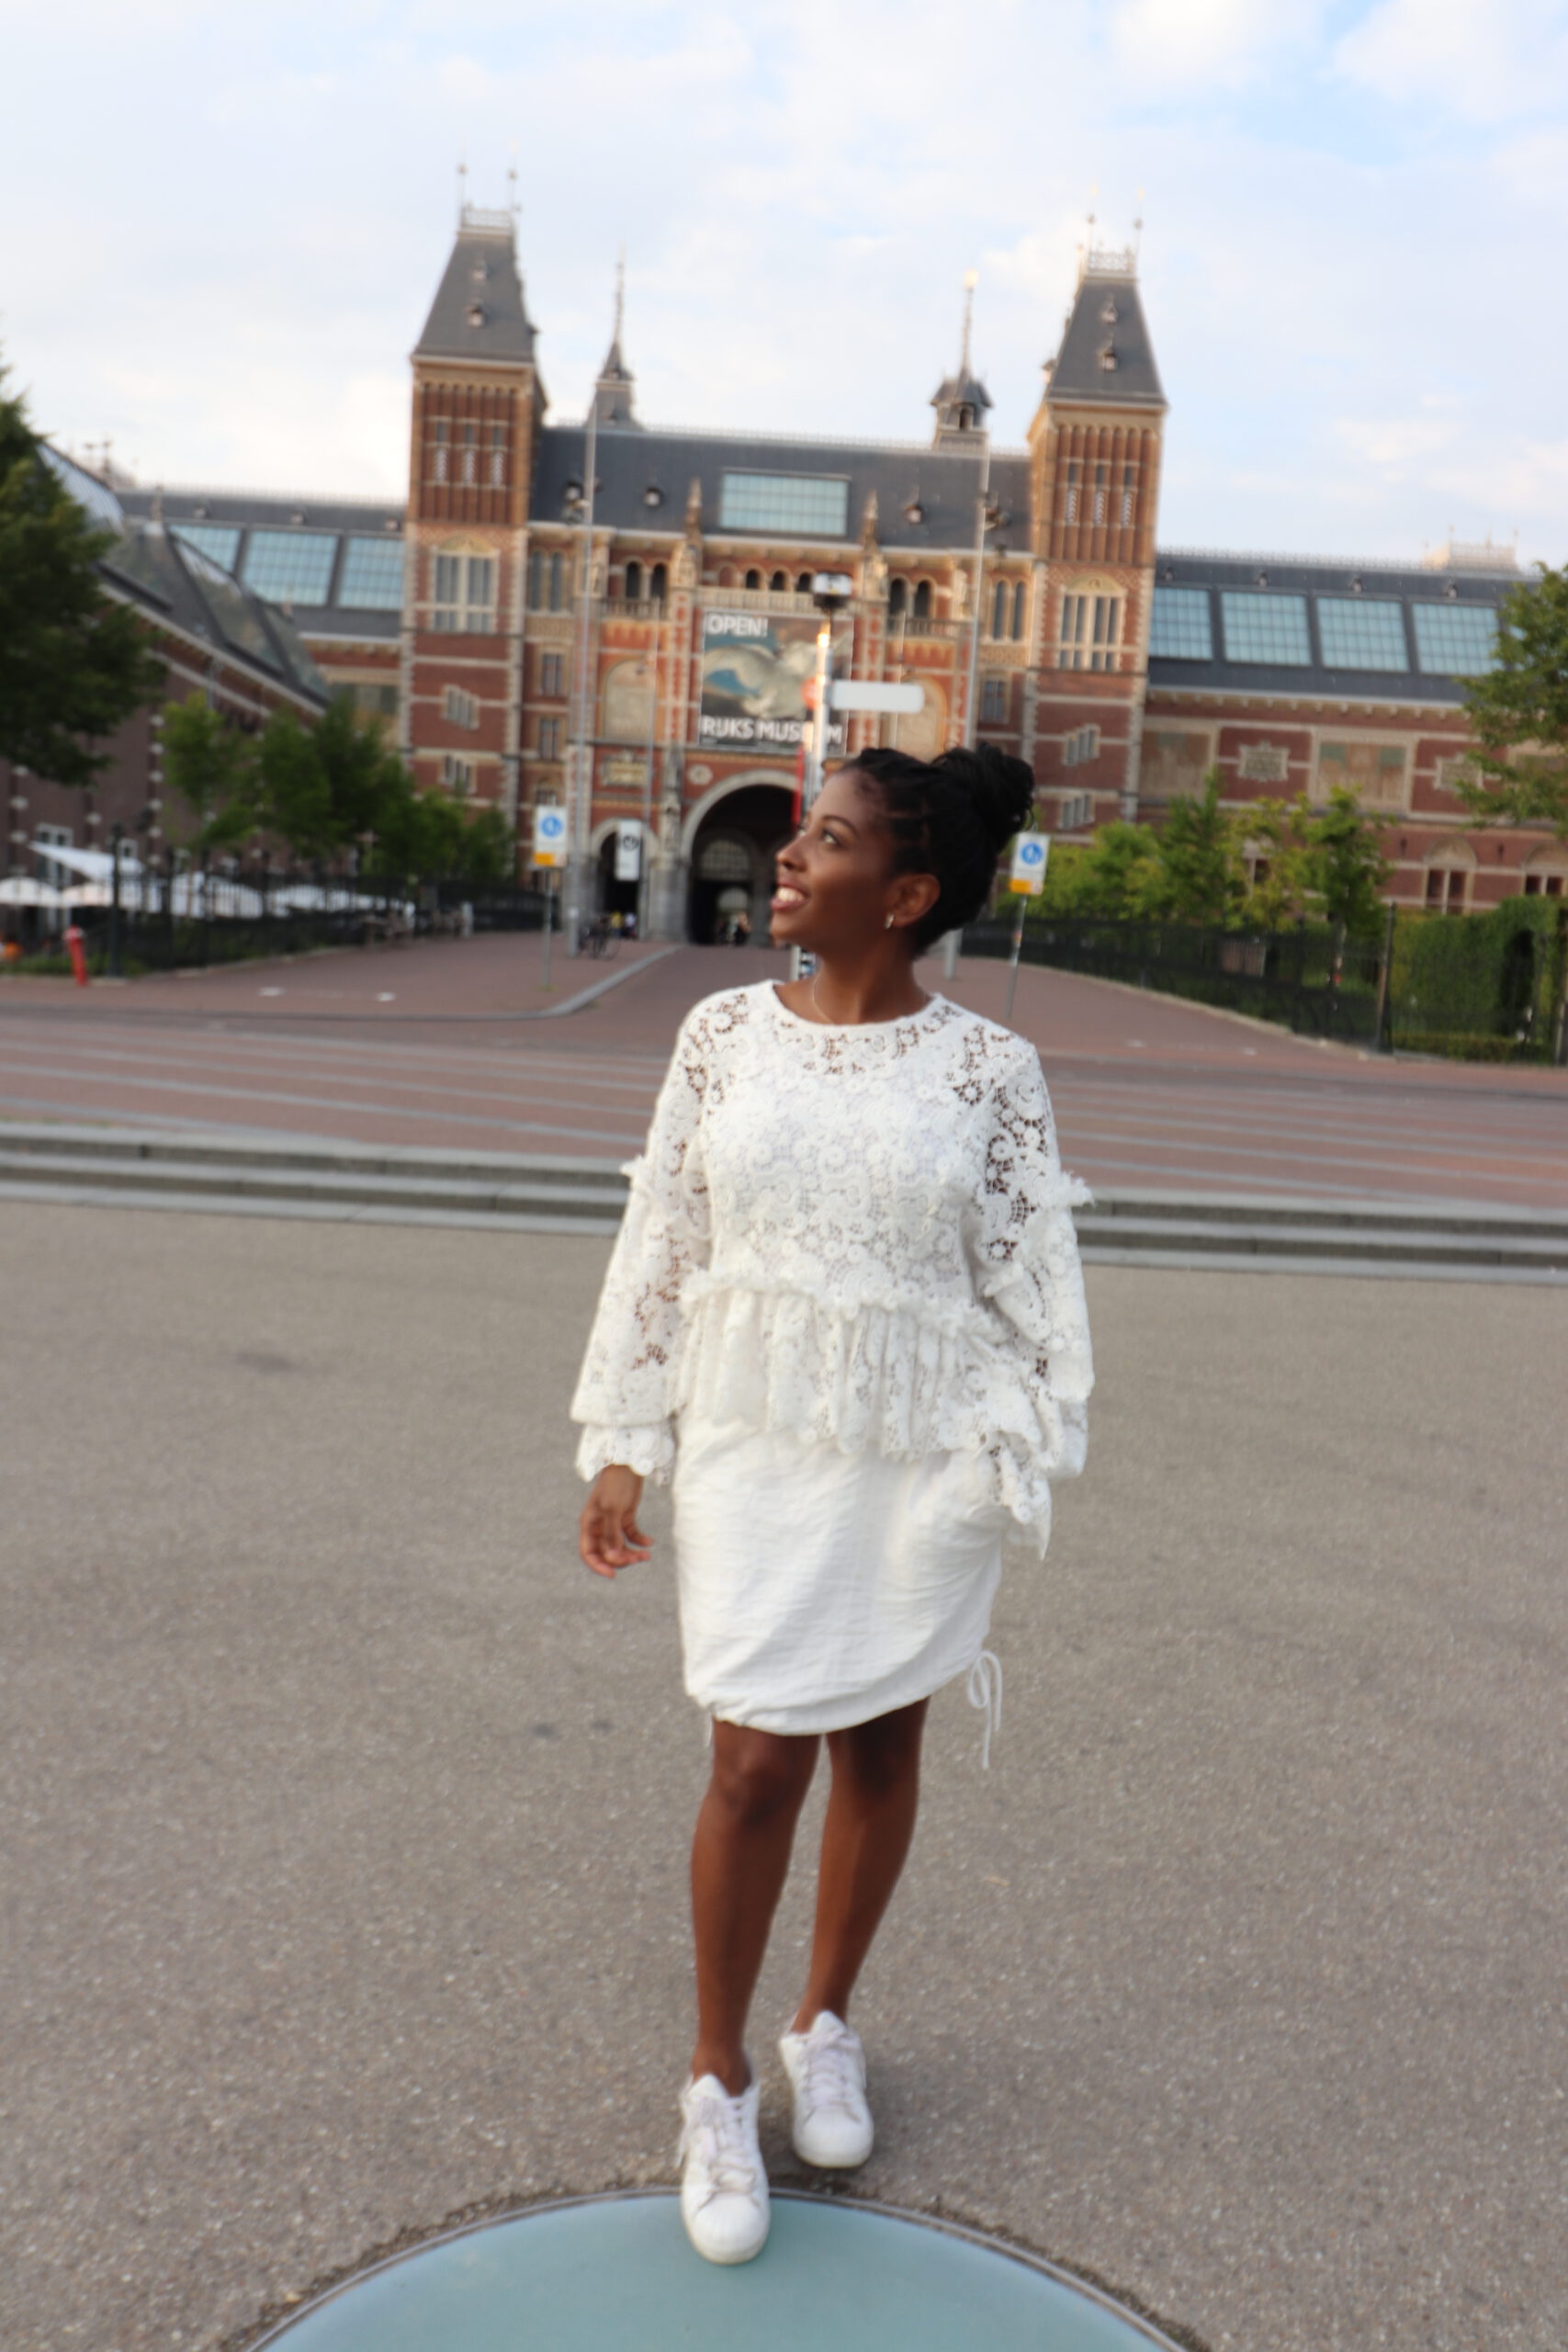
point(549, 837)
point(1030, 853)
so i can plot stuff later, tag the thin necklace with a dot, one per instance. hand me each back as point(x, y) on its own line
point(841, 1025)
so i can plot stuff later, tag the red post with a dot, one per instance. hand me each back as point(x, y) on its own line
point(77, 954)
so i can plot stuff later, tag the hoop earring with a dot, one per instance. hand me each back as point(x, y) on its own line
point(889, 924)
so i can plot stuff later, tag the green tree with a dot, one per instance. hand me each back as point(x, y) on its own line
point(293, 799)
point(1284, 888)
point(73, 663)
point(1518, 713)
point(1117, 877)
point(212, 766)
point(322, 788)
point(1348, 868)
point(1202, 876)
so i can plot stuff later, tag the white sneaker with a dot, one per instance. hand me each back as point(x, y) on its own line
point(724, 2189)
point(826, 2067)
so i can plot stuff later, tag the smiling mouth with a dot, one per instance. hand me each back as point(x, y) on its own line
point(786, 898)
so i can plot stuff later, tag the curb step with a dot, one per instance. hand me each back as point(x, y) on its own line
point(498, 1192)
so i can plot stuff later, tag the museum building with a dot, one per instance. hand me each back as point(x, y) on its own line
point(635, 648)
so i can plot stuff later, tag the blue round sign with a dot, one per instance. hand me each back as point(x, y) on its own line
point(550, 824)
point(1031, 853)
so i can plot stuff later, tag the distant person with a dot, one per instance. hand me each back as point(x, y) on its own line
point(845, 1316)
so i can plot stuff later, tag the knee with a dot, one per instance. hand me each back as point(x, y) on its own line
point(758, 1776)
point(878, 1760)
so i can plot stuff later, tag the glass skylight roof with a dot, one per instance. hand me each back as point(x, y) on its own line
point(1361, 633)
point(1179, 626)
point(291, 567)
point(1455, 640)
point(787, 503)
point(372, 577)
point(1261, 627)
point(219, 540)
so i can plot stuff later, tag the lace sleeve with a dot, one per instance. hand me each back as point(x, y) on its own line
point(624, 1389)
point(1028, 1273)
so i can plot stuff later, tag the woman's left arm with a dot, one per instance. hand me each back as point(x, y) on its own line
point(1028, 1269)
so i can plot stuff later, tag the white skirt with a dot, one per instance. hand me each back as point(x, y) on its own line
point(820, 1590)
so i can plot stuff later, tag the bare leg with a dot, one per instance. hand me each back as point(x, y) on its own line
point(865, 1840)
point(739, 1857)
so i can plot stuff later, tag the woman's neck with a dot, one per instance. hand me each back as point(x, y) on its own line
point(850, 992)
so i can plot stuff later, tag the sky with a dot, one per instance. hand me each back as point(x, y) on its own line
point(221, 229)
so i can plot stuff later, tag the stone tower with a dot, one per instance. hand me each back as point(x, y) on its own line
point(1094, 474)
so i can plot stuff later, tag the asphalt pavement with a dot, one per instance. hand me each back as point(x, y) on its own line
point(347, 1815)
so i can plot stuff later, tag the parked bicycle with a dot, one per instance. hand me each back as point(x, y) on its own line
point(599, 936)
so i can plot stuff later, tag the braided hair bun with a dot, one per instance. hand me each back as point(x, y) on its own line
point(1002, 788)
point(951, 816)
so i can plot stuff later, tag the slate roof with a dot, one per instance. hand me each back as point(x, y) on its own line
point(479, 311)
point(244, 511)
point(1079, 372)
point(629, 463)
point(169, 581)
point(1297, 576)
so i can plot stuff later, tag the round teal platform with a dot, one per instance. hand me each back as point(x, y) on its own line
point(616, 2271)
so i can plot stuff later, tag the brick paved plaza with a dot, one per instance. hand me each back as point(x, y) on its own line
point(440, 1044)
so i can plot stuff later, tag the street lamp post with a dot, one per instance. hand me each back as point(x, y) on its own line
point(117, 835)
point(579, 771)
point(830, 592)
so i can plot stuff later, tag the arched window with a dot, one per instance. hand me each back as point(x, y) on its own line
point(658, 579)
point(1070, 508)
point(555, 584)
point(999, 609)
point(803, 584)
point(535, 580)
point(1127, 489)
point(634, 582)
point(921, 609)
point(1019, 602)
point(897, 598)
point(753, 580)
point(779, 583)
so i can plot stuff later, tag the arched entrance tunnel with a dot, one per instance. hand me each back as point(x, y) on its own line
point(732, 862)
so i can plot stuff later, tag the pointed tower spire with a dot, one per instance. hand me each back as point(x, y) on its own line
point(961, 400)
point(612, 394)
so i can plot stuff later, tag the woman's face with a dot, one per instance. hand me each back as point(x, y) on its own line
point(835, 886)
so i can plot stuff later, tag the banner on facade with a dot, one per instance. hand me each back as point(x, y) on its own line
point(754, 668)
point(629, 853)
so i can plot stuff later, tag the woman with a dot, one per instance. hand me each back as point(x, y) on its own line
point(844, 1317)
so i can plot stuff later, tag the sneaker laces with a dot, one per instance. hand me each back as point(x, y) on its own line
point(715, 2130)
point(832, 2070)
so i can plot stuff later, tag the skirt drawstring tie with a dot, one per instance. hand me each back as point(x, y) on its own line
point(986, 1693)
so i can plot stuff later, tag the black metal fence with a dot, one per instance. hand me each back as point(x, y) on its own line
point(1489, 985)
point(197, 919)
point(1311, 979)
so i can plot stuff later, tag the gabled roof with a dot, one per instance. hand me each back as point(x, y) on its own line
point(1106, 355)
point(479, 313)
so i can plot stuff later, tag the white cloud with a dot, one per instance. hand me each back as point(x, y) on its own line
point(1200, 42)
point(1484, 60)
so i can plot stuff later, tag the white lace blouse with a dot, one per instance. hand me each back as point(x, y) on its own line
point(860, 1234)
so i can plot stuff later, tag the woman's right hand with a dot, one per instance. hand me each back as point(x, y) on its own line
point(608, 1536)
